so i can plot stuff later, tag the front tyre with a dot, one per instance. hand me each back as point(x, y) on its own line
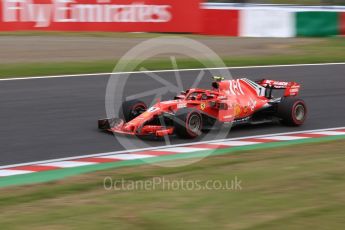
point(292, 111)
point(132, 109)
point(188, 123)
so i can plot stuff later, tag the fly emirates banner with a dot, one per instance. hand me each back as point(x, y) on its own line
point(101, 15)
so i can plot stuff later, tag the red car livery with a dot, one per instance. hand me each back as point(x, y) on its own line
point(197, 110)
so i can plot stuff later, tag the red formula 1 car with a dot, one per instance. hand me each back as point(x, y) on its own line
point(196, 110)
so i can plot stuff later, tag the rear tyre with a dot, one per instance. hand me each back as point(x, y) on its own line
point(188, 123)
point(292, 111)
point(132, 109)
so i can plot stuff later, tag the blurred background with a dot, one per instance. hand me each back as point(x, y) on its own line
point(289, 187)
point(90, 36)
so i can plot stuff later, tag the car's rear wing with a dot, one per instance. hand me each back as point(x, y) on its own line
point(291, 88)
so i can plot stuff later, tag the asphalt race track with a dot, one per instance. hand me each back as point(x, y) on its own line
point(50, 118)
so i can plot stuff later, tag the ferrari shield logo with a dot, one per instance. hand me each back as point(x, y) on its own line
point(202, 106)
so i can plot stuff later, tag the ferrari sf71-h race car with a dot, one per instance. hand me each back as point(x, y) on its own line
point(198, 110)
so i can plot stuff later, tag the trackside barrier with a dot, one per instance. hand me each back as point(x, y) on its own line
point(317, 23)
point(220, 22)
point(279, 21)
point(192, 16)
point(342, 23)
point(266, 23)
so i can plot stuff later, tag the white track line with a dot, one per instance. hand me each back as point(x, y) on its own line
point(182, 149)
point(284, 138)
point(236, 143)
point(111, 154)
point(126, 156)
point(4, 173)
point(67, 164)
point(168, 70)
point(330, 133)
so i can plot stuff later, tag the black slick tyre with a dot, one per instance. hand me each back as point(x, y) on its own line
point(132, 109)
point(188, 123)
point(292, 111)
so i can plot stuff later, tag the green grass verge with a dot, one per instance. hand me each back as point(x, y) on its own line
point(328, 50)
point(282, 188)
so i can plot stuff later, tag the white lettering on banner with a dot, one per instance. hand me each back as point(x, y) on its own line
point(69, 11)
point(61, 11)
point(24, 11)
